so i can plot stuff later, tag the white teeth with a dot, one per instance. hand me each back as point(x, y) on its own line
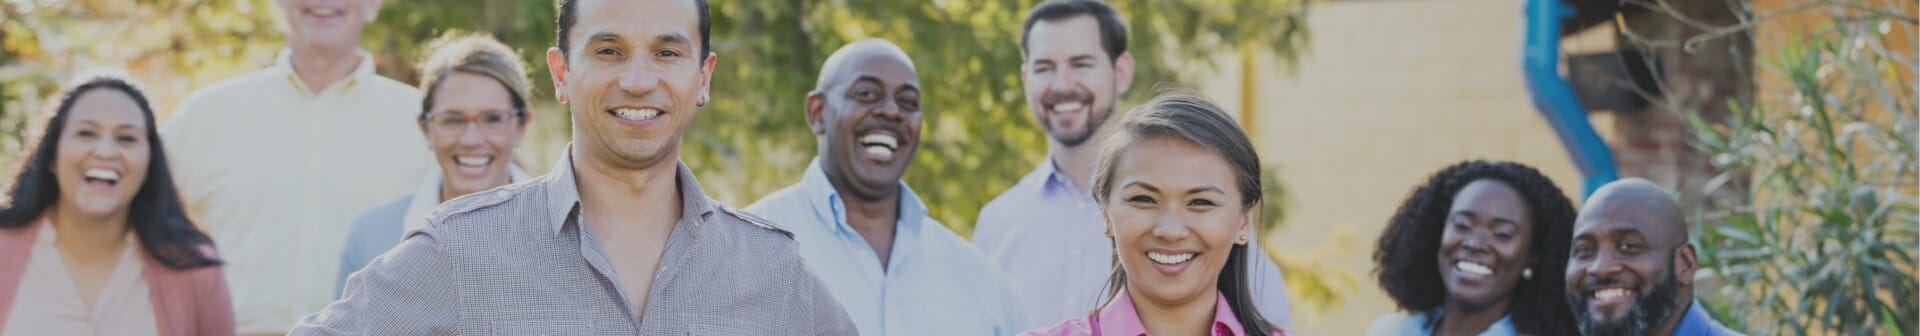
point(473, 161)
point(637, 113)
point(1472, 268)
point(880, 150)
point(1169, 258)
point(1068, 107)
point(103, 174)
point(1609, 293)
point(323, 11)
point(880, 140)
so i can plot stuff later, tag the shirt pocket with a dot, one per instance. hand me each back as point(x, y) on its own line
point(543, 327)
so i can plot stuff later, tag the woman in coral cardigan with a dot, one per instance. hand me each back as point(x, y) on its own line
point(93, 237)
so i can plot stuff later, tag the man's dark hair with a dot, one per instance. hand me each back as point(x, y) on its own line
point(564, 25)
point(1404, 258)
point(1113, 32)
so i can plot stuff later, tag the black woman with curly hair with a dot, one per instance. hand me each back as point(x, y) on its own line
point(1479, 249)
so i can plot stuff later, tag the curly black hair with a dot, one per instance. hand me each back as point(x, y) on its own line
point(1404, 258)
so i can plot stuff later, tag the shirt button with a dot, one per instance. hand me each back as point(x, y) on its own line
point(1076, 252)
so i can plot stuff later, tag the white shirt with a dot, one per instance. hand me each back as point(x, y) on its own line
point(48, 302)
point(275, 173)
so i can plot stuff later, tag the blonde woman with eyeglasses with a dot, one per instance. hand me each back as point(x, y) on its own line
point(474, 115)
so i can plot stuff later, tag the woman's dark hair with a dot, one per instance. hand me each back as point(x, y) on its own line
point(156, 215)
point(1195, 120)
point(1404, 258)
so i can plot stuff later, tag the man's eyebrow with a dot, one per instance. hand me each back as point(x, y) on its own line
point(603, 37)
point(671, 38)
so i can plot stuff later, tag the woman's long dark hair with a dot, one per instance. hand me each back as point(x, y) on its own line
point(157, 217)
point(1195, 120)
point(1404, 257)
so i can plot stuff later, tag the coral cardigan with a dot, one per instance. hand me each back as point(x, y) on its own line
point(189, 302)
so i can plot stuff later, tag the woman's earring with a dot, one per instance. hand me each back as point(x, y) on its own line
point(1527, 273)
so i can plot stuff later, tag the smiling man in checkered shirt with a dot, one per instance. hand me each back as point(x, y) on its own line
point(619, 238)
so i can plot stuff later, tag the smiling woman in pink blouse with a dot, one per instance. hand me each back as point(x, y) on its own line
point(93, 240)
point(1178, 182)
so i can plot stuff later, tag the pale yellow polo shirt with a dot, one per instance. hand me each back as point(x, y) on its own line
point(275, 173)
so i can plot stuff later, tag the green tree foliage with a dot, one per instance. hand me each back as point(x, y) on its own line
point(1825, 244)
point(187, 43)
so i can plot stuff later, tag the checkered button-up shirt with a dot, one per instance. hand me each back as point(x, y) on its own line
point(516, 261)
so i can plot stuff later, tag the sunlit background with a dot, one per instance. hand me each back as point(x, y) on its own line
point(1787, 126)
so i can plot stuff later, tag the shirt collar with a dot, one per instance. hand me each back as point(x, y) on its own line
point(427, 195)
point(1697, 322)
point(1049, 178)
point(1120, 316)
point(563, 194)
point(825, 200)
point(1424, 324)
point(284, 62)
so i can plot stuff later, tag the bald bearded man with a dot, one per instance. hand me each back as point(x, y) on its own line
point(1631, 268)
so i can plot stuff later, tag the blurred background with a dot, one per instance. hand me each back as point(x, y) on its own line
point(1788, 127)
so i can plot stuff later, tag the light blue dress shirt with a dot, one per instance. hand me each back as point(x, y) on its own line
point(1696, 322)
point(934, 283)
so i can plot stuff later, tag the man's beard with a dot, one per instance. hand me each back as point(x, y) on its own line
point(1648, 310)
point(1095, 118)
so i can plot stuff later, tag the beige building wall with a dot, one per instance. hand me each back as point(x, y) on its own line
point(1388, 93)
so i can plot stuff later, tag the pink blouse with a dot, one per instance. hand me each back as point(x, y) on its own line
point(1118, 317)
point(48, 303)
point(191, 302)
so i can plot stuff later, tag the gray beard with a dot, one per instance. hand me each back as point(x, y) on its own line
point(1648, 310)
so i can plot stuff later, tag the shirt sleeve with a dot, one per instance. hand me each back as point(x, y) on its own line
point(216, 303)
point(354, 256)
point(985, 234)
point(1013, 314)
point(350, 260)
point(818, 310)
point(176, 137)
point(405, 292)
point(1269, 287)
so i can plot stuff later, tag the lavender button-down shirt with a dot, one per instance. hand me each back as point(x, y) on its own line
point(1049, 238)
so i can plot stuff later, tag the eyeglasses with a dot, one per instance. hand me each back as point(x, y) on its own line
point(450, 123)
